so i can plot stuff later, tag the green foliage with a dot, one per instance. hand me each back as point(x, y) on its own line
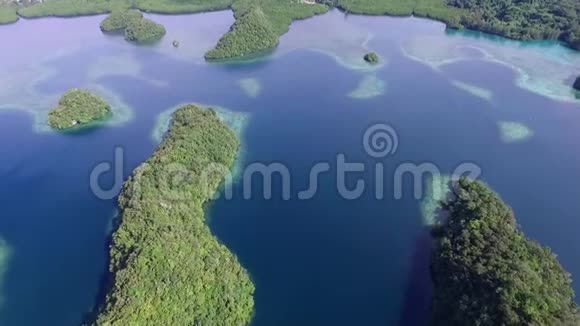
point(435, 9)
point(182, 6)
point(70, 8)
point(251, 33)
point(378, 7)
point(372, 57)
point(485, 271)
point(137, 28)
point(259, 24)
point(168, 268)
point(78, 108)
point(518, 19)
point(143, 31)
point(67, 8)
point(525, 20)
point(119, 19)
point(8, 14)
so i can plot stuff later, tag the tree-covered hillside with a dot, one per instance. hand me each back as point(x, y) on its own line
point(167, 267)
point(8, 14)
point(259, 25)
point(256, 19)
point(524, 19)
point(486, 272)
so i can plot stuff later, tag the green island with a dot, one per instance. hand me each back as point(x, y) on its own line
point(372, 58)
point(144, 30)
point(260, 23)
point(136, 28)
point(486, 272)
point(118, 20)
point(78, 108)
point(167, 268)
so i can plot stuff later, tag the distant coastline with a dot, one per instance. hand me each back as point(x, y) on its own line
point(259, 26)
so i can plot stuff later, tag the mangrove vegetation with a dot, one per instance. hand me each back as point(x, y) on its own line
point(70, 8)
point(8, 14)
point(259, 25)
point(118, 20)
point(144, 30)
point(78, 108)
point(167, 268)
point(486, 272)
point(137, 28)
point(524, 20)
point(434, 9)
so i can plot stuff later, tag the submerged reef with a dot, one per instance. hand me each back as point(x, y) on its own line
point(513, 132)
point(251, 86)
point(370, 86)
point(474, 90)
point(541, 67)
point(347, 45)
point(18, 92)
point(437, 191)
point(5, 254)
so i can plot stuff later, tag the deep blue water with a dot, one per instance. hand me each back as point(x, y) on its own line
point(323, 261)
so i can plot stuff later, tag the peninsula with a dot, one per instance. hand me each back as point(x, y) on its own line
point(166, 266)
point(486, 272)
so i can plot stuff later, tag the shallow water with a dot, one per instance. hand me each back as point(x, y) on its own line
point(326, 260)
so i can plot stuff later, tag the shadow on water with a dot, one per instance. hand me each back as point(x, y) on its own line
point(415, 311)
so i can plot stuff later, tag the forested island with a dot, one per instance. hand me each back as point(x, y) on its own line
point(167, 268)
point(78, 108)
point(371, 58)
point(486, 272)
point(136, 28)
point(260, 23)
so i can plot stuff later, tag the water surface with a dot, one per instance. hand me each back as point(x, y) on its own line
point(322, 261)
